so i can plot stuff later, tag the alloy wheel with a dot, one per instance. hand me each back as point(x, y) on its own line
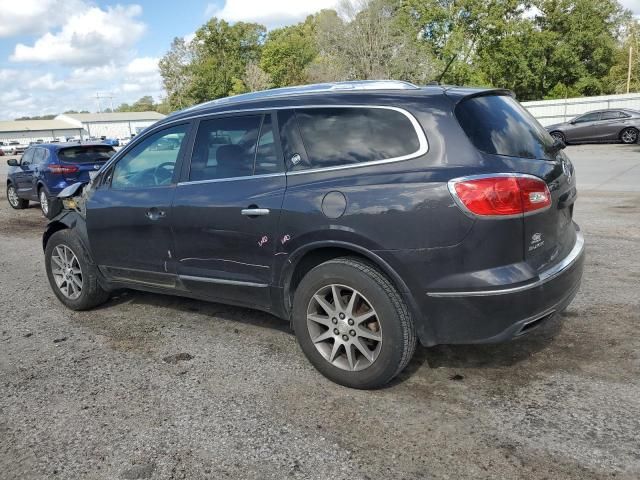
point(344, 327)
point(44, 202)
point(67, 272)
point(12, 196)
point(630, 135)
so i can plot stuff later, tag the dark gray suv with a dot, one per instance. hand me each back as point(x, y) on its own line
point(370, 215)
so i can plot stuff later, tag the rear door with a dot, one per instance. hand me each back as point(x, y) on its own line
point(510, 137)
point(226, 210)
point(611, 123)
point(584, 128)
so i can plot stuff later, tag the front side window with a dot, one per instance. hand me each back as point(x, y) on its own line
point(225, 147)
point(499, 125)
point(27, 157)
point(151, 162)
point(351, 135)
point(39, 155)
point(589, 117)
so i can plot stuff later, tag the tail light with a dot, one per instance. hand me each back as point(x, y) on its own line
point(63, 169)
point(501, 195)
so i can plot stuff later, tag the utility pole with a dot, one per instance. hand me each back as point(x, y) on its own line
point(109, 96)
point(629, 72)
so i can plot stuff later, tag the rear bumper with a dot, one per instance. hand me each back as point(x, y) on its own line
point(486, 316)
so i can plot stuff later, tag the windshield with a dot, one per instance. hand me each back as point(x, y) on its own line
point(499, 125)
point(86, 154)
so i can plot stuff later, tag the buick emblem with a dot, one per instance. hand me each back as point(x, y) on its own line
point(96, 167)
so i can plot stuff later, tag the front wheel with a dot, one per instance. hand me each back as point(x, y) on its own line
point(14, 200)
point(72, 276)
point(352, 323)
point(629, 135)
point(44, 202)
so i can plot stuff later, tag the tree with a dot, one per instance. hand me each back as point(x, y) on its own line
point(176, 74)
point(221, 54)
point(288, 51)
point(617, 79)
point(255, 78)
point(368, 44)
point(580, 40)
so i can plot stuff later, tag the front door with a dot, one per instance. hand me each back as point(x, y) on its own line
point(225, 212)
point(24, 175)
point(129, 212)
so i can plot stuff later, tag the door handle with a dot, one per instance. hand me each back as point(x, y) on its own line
point(155, 214)
point(255, 212)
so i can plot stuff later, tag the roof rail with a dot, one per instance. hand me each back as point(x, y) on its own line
point(313, 88)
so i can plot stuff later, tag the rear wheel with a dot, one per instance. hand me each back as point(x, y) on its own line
point(559, 136)
point(72, 276)
point(14, 200)
point(352, 323)
point(629, 135)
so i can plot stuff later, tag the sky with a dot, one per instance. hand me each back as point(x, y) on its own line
point(57, 55)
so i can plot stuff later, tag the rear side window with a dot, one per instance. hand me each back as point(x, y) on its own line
point(348, 136)
point(85, 154)
point(499, 125)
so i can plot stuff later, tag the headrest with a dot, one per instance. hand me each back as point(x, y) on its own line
point(229, 155)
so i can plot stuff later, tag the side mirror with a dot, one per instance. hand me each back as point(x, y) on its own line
point(12, 162)
point(572, 122)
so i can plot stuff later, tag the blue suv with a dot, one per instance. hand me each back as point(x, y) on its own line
point(46, 169)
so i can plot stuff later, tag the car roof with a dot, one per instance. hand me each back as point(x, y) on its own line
point(60, 145)
point(351, 92)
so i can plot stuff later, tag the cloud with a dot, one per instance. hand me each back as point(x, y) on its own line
point(91, 37)
point(274, 13)
point(35, 91)
point(24, 17)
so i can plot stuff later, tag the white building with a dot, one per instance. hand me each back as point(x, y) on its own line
point(111, 125)
point(25, 131)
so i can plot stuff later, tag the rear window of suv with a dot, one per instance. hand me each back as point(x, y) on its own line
point(351, 135)
point(86, 154)
point(499, 125)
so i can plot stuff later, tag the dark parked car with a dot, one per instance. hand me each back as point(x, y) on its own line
point(367, 214)
point(621, 125)
point(46, 169)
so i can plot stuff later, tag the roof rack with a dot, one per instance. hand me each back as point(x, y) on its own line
point(313, 88)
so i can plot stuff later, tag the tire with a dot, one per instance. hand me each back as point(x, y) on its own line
point(629, 135)
point(43, 198)
point(560, 136)
point(13, 199)
point(388, 334)
point(91, 294)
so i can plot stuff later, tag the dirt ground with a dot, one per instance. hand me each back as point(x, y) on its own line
point(159, 387)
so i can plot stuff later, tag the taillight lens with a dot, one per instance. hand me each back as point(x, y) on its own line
point(503, 195)
point(63, 169)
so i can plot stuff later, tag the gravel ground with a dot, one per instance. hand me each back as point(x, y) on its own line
point(158, 387)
